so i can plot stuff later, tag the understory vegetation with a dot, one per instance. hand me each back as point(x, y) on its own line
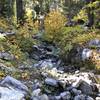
point(67, 38)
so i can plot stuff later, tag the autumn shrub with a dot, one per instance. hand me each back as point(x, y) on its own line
point(86, 37)
point(93, 63)
point(54, 24)
point(18, 44)
point(36, 26)
point(4, 24)
point(95, 60)
point(24, 37)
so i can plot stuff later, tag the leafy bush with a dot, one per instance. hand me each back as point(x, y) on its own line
point(95, 60)
point(24, 37)
point(4, 24)
point(17, 44)
point(84, 38)
point(54, 24)
point(68, 35)
point(73, 37)
point(81, 15)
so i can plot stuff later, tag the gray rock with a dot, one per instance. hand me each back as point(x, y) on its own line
point(76, 92)
point(65, 95)
point(9, 93)
point(77, 82)
point(52, 98)
point(6, 56)
point(85, 88)
point(10, 81)
point(47, 64)
point(95, 43)
point(44, 97)
point(36, 84)
point(57, 97)
point(97, 98)
point(36, 92)
point(86, 54)
point(12, 89)
point(98, 94)
point(69, 88)
point(6, 68)
point(44, 64)
point(83, 97)
point(89, 98)
point(52, 82)
point(62, 83)
point(44, 74)
point(98, 86)
point(47, 91)
point(9, 33)
point(35, 98)
point(80, 97)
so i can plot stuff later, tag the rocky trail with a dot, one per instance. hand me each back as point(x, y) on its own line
point(47, 78)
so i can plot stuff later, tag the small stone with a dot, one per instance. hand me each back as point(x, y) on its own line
point(98, 94)
point(36, 84)
point(80, 97)
point(51, 98)
point(36, 92)
point(35, 98)
point(76, 92)
point(47, 91)
point(9, 93)
point(44, 74)
point(44, 97)
point(52, 82)
point(57, 97)
point(76, 72)
point(97, 98)
point(77, 83)
point(10, 81)
point(98, 87)
point(85, 88)
point(69, 88)
point(6, 56)
point(65, 95)
point(62, 83)
point(95, 42)
point(89, 98)
point(86, 53)
point(46, 64)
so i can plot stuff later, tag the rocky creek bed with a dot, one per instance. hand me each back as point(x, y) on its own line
point(47, 78)
point(52, 85)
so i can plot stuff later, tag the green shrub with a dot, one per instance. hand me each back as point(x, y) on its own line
point(66, 40)
point(17, 44)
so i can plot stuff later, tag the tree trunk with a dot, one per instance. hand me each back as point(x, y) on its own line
point(90, 17)
point(20, 11)
point(90, 14)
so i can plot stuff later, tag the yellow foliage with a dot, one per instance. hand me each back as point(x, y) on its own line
point(24, 37)
point(54, 24)
point(95, 60)
point(36, 25)
point(3, 24)
point(81, 15)
point(20, 42)
point(84, 38)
